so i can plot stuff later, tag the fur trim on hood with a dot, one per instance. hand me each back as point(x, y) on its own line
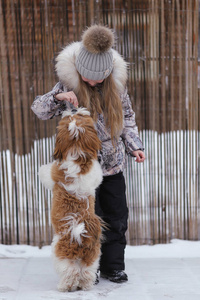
point(68, 75)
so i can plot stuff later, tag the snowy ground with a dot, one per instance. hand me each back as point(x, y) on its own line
point(159, 272)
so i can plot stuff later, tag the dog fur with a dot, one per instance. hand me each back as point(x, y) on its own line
point(73, 178)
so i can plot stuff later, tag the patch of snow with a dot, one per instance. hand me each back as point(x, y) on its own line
point(159, 272)
point(175, 249)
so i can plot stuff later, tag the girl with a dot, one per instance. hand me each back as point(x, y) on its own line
point(93, 75)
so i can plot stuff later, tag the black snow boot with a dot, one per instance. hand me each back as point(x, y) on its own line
point(117, 276)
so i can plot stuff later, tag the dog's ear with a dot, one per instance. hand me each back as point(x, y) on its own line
point(61, 139)
point(57, 155)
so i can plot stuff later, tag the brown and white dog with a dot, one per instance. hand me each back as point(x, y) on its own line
point(73, 178)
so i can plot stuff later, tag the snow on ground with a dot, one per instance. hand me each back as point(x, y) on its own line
point(170, 271)
point(175, 249)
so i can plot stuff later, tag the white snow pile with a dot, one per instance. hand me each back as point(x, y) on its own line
point(175, 249)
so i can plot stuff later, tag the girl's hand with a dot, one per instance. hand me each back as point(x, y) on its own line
point(140, 156)
point(68, 96)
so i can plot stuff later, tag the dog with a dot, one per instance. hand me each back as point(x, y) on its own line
point(73, 177)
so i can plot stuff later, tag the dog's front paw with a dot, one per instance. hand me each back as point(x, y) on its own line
point(98, 178)
point(45, 176)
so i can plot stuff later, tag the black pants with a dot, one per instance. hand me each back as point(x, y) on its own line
point(112, 208)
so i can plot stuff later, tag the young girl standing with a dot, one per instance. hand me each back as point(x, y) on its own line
point(93, 75)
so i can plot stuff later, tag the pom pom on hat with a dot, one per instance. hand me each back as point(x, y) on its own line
point(98, 39)
point(95, 58)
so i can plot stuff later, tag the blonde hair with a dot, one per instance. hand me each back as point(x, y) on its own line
point(105, 101)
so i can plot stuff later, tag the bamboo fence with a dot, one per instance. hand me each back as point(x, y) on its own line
point(159, 39)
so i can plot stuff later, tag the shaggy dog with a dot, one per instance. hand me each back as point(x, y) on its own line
point(73, 178)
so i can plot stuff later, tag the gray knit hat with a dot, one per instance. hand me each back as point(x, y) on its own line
point(95, 58)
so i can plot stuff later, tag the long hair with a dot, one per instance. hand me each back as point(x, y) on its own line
point(103, 98)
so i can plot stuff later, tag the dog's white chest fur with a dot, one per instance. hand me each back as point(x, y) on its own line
point(85, 185)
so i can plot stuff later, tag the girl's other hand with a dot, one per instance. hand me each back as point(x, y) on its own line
point(140, 156)
point(68, 96)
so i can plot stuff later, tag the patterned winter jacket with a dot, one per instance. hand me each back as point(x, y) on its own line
point(112, 159)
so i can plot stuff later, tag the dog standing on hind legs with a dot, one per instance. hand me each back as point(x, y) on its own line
point(73, 177)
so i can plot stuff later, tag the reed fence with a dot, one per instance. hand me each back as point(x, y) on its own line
point(159, 39)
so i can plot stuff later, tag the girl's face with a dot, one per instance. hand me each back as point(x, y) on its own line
point(91, 82)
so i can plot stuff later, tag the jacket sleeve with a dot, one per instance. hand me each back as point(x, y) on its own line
point(130, 132)
point(47, 106)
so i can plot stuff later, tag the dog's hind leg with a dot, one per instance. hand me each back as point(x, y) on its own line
point(88, 275)
point(73, 276)
point(67, 269)
point(69, 276)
